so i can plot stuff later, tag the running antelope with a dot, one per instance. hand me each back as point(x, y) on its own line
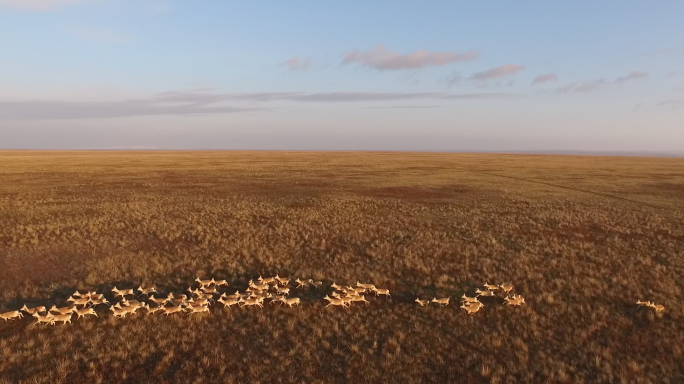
point(81, 301)
point(251, 302)
point(260, 287)
point(85, 311)
point(472, 308)
point(443, 301)
point(196, 309)
point(369, 287)
point(491, 287)
point(282, 280)
point(268, 280)
point(147, 291)
point(11, 315)
point(209, 291)
point(220, 283)
point(34, 310)
point(514, 300)
point(485, 293)
point(116, 312)
point(122, 292)
point(359, 298)
point(469, 300)
point(336, 287)
point(158, 300)
point(152, 310)
point(283, 291)
point(47, 319)
point(291, 302)
point(422, 303)
point(315, 284)
point(63, 310)
point(338, 302)
point(506, 287)
point(204, 283)
point(301, 284)
point(63, 318)
point(382, 291)
point(170, 310)
point(226, 302)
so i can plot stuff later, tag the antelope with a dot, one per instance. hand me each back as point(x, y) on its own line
point(63, 318)
point(485, 293)
point(34, 310)
point(226, 303)
point(382, 291)
point(79, 294)
point(301, 284)
point(234, 296)
point(260, 287)
point(658, 307)
point(44, 318)
point(291, 302)
point(332, 301)
point(94, 295)
point(116, 312)
point(204, 283)
point(11, 315)
point(277, 298)
point(316, 284)
point(336, 287)
point(85, 311)
point(210, 291)
point(469, 300)
point(122, 292)
point(359, 298)
point(268, 280)
point(283, 291)
point(514, 300)
point(63, 310)
point(506, 287)
point(282, 280)
point(491, 287)
point(181, 296)
point(219, 283)
point(197, 309)
point(146, 291)
point(152, 310)
point(359, 290)
point(471, 308)
point(83, 302)
point(250, 302)
point(170, 310)
point(370, 287)
point(197, 302)
point(422, 303)
point(443, 302)
point(157, 300)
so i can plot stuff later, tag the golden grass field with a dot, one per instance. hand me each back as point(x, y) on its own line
point(581, 238)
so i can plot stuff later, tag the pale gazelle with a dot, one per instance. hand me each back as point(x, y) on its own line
point(116, 312)
point(34, 310)
point(204, 283)
point(94, 295)
point(485, 293)
point(197, 302)
point(277, 298)
point(514, 300)
point(301, 284)
point(283, 291)
point(63, 310)
point(209, 290)
point(234, 296)
point(491, 287)
point(251, 302)
point(100, 302)
point(359, 290)
point(443, 301)
point(282, 280)
point(338, 302)
point(170, 310)
point(122, 292)
point(85, 311)
point(336, 287)
point(268, 280)
point(315, 284)
point(11, 315)
point(472, 308)
point(291, 302)
point(370, 287)
point(382, 291)
point(220, 283)
point(63, 318)
point(422, 303)
point(79, 294)
point(226, 302)
point(158, 300)
point(506, 287)
point(47, 319)
point(196, 309)
point(658, 307)
point(358, 298)
point(467, 299)
point(80, 301)
point(146, 291)
point(260, 287)
point(152, 310)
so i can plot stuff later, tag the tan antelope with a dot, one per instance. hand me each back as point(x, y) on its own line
point(122, 292)
point(11, 315)
point(336, 287)
point(507, 288)
point(63, 310)
point(202, 302)
point(63, 318)
point(359, 298)
point(46, 319)
point(204, 283)
point(81, 301)
point(468, 300)
point(196, 309)
point(226, 302)
point(382, 291)
point(34, 310)
point(170, 310)
point(514, 300)
point(485, 293)
point(658, 307)
point(268, 280)
point(94, 295)
point(209, 291)
point(422, 303)
point(234, 296)
point(443, 301)
point(158, 300)
point(152, 310)
point(291, 302)
point(79, 294)
point(85, 311)
point(277, 299)
point(472, 308)
point(260, 287)
point(337, 302)
point(301, 284)
point(283, 291)
point(315, 284)
point(282, 280)
point(220, 283)
point(250, 302)
point(116, 312)
point(369, 287)
point(491, 287)
point(146, 291)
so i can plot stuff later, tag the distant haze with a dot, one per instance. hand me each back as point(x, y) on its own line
point(586, 77)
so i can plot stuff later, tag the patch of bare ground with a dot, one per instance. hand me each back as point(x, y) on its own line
point(423, 225)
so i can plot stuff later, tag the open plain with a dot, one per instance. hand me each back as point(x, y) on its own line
point(581, 238)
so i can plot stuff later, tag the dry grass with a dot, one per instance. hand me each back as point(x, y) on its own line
point(582, 238)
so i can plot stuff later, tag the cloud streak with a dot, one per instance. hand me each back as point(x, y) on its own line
point(38, 5)
point(545, 78)
point(634, 75)
point(502, 71)
point(295, 63)
point(203, 102)
point(593, 85)
point(381, 58)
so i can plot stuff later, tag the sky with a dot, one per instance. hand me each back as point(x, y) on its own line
point(345, 75)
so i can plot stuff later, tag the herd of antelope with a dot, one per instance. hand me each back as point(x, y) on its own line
point(275, 289)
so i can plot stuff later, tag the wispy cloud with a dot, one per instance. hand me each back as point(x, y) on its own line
point(674, 104)
point(674, 74)
point(504, 70)
point(203, 102)
point(295, 63)
point(38, 5)
point(634, 75)
point(383, 59)
point(545, 78)
point(101, 35)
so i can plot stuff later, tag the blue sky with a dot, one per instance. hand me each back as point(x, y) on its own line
point(400, 75)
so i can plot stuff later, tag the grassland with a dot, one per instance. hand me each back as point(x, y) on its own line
point(582, 238)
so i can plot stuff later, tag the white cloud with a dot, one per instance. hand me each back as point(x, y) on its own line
point(295, 63)
point(634, 75)
point(383, 59)
point(38, 5)
point(545, 78)
point(504, 70)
